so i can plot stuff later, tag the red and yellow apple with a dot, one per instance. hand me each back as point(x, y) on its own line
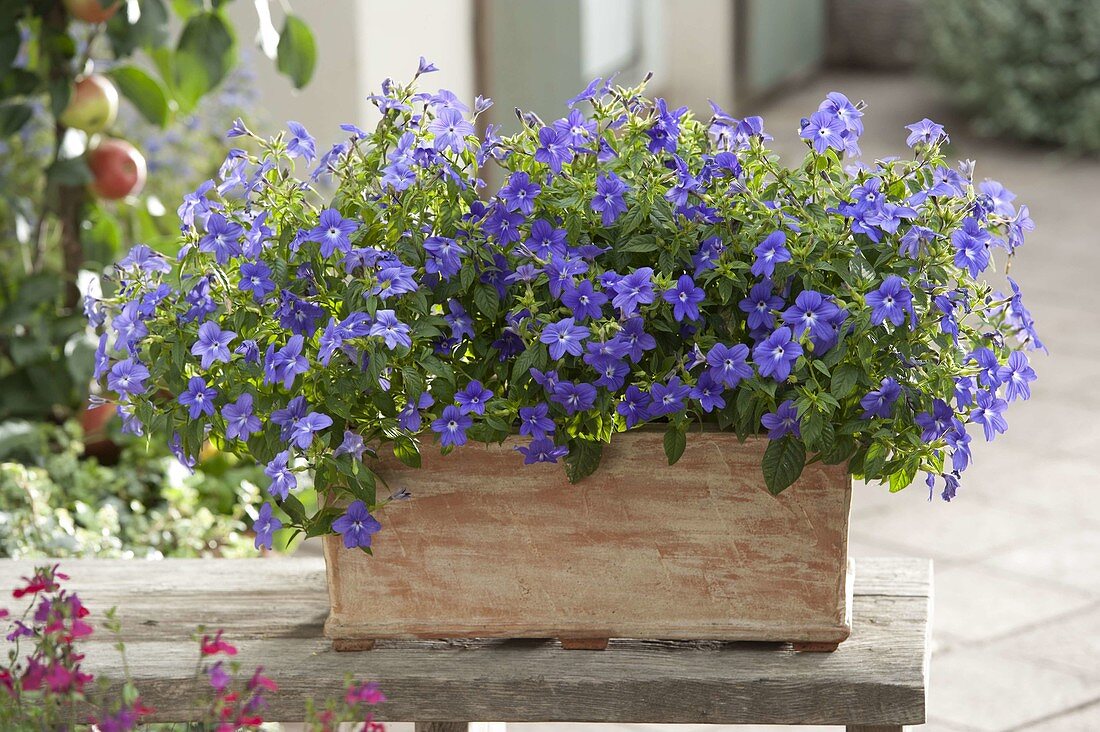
point(118, 169)
point(93, 104)
point(91, 11)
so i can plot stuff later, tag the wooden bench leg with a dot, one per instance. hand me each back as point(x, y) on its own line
point(442, 726)
point(875, 728)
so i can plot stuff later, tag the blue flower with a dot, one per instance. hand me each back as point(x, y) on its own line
point(445, 256)
point(357, 526)
point(425, 67)
point(925, 132)
point(783, 421)
point(608, 201)
point(634, 407)
point(634, 337)
point(127, 378)
point(212, 344)
point(633, 290)
point(759, 305)
point(914, 242)
point(665, 131)
point(839, 106)
point(250, 350)
point(541, 450)
point(289, 415)
point(352, 444)
point(303, 430)
point(880, 402)
point(130, 327)
point(300, 144)
point(546, 240)
point(392, 331)
point(668, 398)
point(577, 128)
point(554, 149)
point(776, 354)
point(256, 277)
point(891, 301)
point(728, 364)
point(563, 337)
point(987, 362)
point(534, 421)
point(222, 238)
point(451, 426)
point(286, 363)
point(1016, 375)
point(240, 422)
point(708, 392)
point(584, 300)
point(198, 397)
point(519, 193)
point(145, 260)
point(574, 397)
point(473, 398)
point(297, 315)
point(989, 413)
point(934, 424)
point(812, 312)
point(333, 232)
point(971, 244)
point(451, 129)
point(264, 526)
point(825, 131)
point(282, 477)
point(237, 129)
point(504, 224)
point(460, 321)
point(409, 417)
point(959, 442)
point(770, 252)
point(685, 298)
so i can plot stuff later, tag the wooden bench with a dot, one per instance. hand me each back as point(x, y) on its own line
point(273, 611)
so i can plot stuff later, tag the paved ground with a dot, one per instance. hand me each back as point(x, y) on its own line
point(1017, 613)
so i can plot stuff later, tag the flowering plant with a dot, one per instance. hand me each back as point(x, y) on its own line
point(637, 265)
point(43, 685)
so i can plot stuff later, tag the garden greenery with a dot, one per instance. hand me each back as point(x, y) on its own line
point(637, 265)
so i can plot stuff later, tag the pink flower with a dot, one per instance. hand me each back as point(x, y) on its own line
point(213, 646)
point(368, 693)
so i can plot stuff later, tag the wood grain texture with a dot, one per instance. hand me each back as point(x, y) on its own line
point(442, 727)
point(640, 549)
point(273, 611)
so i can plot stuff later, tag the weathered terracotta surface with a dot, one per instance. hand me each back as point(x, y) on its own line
point(489, 547)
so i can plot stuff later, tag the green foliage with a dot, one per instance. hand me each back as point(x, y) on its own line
point(1028, 69)
point(54, 502)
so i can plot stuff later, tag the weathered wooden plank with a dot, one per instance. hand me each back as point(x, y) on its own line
point(442, 726)
point(639, 549)
point(273, 610)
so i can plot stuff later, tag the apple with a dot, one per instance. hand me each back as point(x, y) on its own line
point(118, 169)
point(93, 104)
point(91, 11)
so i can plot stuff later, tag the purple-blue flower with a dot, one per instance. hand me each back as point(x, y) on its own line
point(473, 398)
point(574, 397)
point(286, 363)
point(541, 450)
point(444, 256)
point(451, 129)
point(813, 312)
point(352, 444)
point(728, 364)
point(634, 408)
point(145, 260)
point(198, 397)
point(880, 402)
point(222, 238)
point(212, 344)
point(264, 526)
point(608, 201)
point(283, 480)
point(554, 148)
point(357, 526)
point(451, 426)
point(333, 232)
point(708, 392)
point(783, 421)
point(256, 278)
point(1016, 376)
point(776, 354)
point(770, 252)
point(240, 422)
point(989, 413)
point(891, 301)
point(759, 305)
point(389, 329)
point(925, 132)
point(302, 430)
point(971, 244)
point(519, 193)
point(633, 290)
point(668, 398)
point(564, 336)
point(300, 144)
point(634, 337)
point(584, 300)
point(534, 421)
point(824, 130)
point(685, 298)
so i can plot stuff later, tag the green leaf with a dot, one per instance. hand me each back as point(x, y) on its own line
point(534, 357)
point(875, 459)
point(297, 53)
point(583, 459)
point(783, 463)
point(204, 56)
point(146, 93)
point(675, 442)
point(13, 117)
point(902, 478)
point(150, 30)
point(405, 449)
point(844, 380)
point(71, 172)
point(485, 297)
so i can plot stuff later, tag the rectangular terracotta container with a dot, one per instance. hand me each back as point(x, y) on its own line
point(489, 547)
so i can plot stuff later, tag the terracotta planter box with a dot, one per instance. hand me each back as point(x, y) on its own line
point(489, 547)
